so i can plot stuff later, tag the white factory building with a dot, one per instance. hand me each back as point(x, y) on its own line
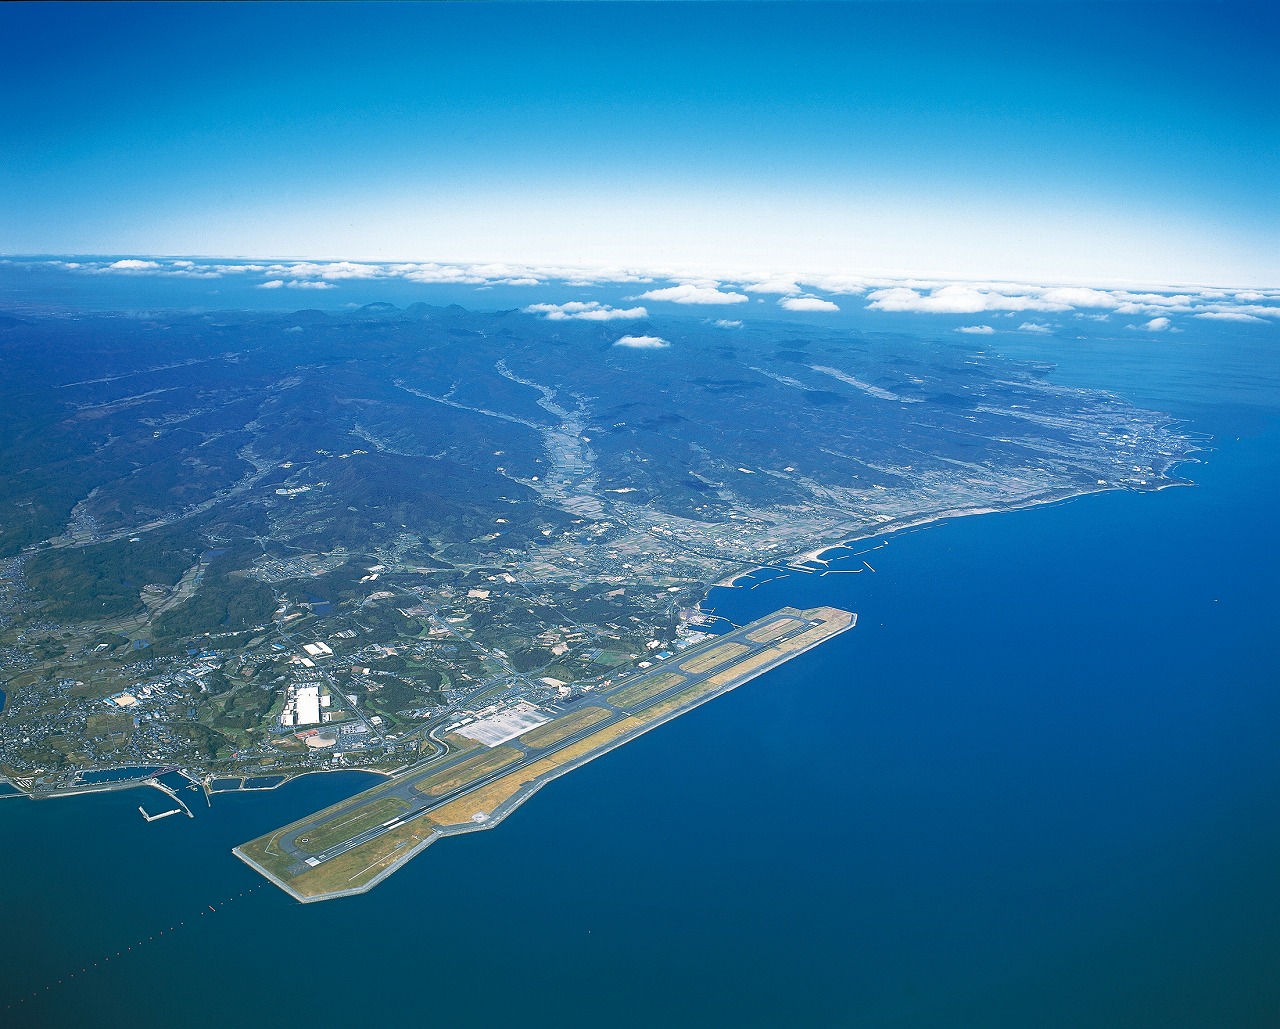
point(302, 707)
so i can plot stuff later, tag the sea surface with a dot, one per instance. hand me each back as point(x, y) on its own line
point(1038, 785)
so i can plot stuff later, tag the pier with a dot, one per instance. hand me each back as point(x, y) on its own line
point(162, 814)
point(173, 794)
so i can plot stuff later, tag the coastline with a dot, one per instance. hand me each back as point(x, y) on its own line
point(839, 541)
point(925, 520)
point(133, 784)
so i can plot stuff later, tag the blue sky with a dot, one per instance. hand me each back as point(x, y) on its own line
point(1117, 142)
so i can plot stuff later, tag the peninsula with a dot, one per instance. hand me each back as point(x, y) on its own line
point(510, 754)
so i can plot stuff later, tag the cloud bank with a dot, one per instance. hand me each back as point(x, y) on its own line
point(807, 304)
point(776, 284)
point(1153, 308)
point(589, 311)
point(296, 284)
point(1230, 316)
point(693, 293)
point(957, 299)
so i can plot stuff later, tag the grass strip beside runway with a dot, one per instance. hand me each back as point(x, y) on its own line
point(637, 693)
point(562, 728)
point(471, 769)
point(715, 656)
point(350, 824)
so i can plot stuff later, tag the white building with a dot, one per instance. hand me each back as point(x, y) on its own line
point(302, 706)
point(308, 705)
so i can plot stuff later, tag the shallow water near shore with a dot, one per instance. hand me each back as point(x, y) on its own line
point(1037, 785)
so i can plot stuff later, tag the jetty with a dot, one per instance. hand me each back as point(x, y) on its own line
point(162, 814)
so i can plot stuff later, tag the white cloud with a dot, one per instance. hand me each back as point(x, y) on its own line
point(506, 273)
point(727, 323)
point(642, 342)
point(807, 304)
point(924, 297)
point(957, 299)
point(1256, 310)
point(131, 265)
point(775, 284)
point(693, 293)
point(295, 284)
point(1155, 325)
point(436, 273)
point(836, 283)
point(1033, 327)
point(1176, 301)
point(1139, 307)
point(337, 270)
point(899, 295)
point(1230, 316)
point(1079, 296)
point(976, 330)
point(590, 311)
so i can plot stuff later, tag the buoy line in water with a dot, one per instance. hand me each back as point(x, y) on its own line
point(66, 979)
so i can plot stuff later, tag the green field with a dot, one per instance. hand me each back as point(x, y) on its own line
point(639, 692)
point(773, 630)
point(356, 867)
point(353, 823)
point(264, 851)
point(562, 728)
point(715, 656)
point(471, 769)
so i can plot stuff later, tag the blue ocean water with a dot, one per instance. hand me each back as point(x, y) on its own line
point(1038, 785)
